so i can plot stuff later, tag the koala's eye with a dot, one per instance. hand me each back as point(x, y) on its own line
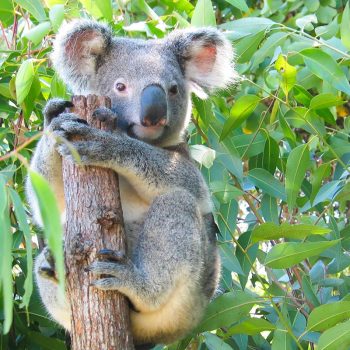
point(174, 89)
point(120, 87)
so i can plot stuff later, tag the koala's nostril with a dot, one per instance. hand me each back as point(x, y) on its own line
point(153, 106)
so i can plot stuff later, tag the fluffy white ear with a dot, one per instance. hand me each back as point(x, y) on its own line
point(206, 57)
point(77, 49)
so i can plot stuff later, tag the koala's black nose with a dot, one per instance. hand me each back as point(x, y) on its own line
point(153, 106)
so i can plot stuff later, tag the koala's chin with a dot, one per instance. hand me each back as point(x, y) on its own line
point(149, 134)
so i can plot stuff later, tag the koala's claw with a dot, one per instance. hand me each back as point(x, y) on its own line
point(109, 254)
point(48, 273)
point(106, 284)
point(104, 114)
point(48, 269)
point(55, 107)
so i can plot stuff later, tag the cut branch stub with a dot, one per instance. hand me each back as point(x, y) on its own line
point(94, 221)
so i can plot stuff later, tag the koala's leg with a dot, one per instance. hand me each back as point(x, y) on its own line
point(168, 255)
point(48, 288)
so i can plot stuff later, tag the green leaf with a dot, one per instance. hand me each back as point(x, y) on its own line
point(251, 326)
point(52, 222)
point(34, 7)
point(227, 309)
point(336, 338)
point(240, 4)
point(105, 6)
point(92, 8)
point(270, 155)
point(297, 163)
point(56, 15)
point(287, 131)
point(287, 72)
point(268, 47)
point(319, 175)
point(309, 291)
point(269, 208)
point(262, 179)
point(229, 260)
point(324, 101)
point(24, 80)
point(37, 33)
point(246, 47)
point(240, 111)
point(224, 191)
point(5, 257)
point(325, 67)
point(345, 27)
point(326, 316)
point(268, 231)
point(46, 343)
point(24, 226)
point(247, 26)
point(203, 14)
point(285, 255)
point(213, 342)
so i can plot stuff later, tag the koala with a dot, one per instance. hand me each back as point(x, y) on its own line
point(172, 266)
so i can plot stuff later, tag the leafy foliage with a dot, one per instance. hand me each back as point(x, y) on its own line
point(274, 149)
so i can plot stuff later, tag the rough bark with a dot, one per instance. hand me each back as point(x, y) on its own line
point(94, 221)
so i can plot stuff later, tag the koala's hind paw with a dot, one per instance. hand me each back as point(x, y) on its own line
point(55, 107)
point(115, 273)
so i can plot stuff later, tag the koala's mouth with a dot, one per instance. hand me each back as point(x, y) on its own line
point(146, 133)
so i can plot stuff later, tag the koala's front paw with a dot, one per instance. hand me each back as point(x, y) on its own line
point(116, 270)
point(46, 268)
point(54, 108)
point(83, 152)
point(106, 115)
point(68, 125)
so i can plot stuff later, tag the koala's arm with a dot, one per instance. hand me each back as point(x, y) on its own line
point(151, 170)
point(46, 160)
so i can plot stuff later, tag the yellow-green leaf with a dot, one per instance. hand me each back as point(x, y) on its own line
point(269, 230)
point(287, 72)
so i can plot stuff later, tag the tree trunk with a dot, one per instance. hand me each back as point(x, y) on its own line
point(100, 320)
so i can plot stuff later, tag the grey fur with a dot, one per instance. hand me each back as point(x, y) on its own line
point(172, 266)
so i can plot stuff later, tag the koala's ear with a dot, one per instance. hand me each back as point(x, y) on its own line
point(77, 49)
point(205, 56)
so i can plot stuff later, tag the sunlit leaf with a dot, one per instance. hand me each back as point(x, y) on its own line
point(345, 27)
point(240, 111)
point(328, 315)
point(270, 230)
point(24, 80)
point(285, 255)
point(51, 219)
point(226, 309)
point(287, 72)
point(203, 14)
point(325, 67)
point(335, 338)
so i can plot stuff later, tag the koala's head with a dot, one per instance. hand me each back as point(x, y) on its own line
point(149, 82)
